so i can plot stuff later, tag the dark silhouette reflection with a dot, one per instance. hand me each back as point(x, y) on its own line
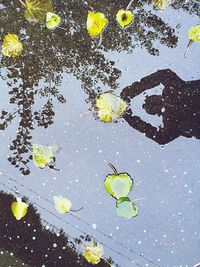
point(179, 106)
point(47, 54)
point(31, 242)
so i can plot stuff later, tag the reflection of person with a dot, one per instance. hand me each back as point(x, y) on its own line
point(179, 106)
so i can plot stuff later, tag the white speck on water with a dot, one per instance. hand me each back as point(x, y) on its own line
point(94, 226)
point(54, 245)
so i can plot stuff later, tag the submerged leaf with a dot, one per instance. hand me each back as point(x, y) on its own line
point(124, 17)
point(118, 185)
point(11, 47)
point(19, 209)
point(194, 33)
point(110, 107)
point(93, 252)
point(161, 4)
point(37, 9)
point(125, 208)
point(52, 20)
point(62, 205)
point(43, 155)
point(96, 22)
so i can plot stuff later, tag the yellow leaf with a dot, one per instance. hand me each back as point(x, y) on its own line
point(194, 33)
point(160, 4)
point(37, 9)
point(110, 107)
point(93, 252)
point(96, 22)
point(11, 47)
point(19, 209)
point(52, 20)
point(43, 155)
point(62, 205)
point(124, 17)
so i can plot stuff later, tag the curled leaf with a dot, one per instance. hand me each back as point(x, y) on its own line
point(110, 107)
point(37, 9)
point(93, 252)
point(119, 185)
point(52, 20)
point(62, 205)
point(19, 209)
point(125, 208)
point(194, 33)
point(11, 47)
point(96, 22)
point(43, 155)
point(124, 17)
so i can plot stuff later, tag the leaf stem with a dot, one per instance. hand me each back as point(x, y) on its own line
point(107, 262)
point(23, 4)
point(77, 210)
point(100, 40)
point(112, 168)
point(141, 198)
point(64, 29)
point(129, 5)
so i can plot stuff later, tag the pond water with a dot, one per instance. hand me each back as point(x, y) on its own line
point(59, 76)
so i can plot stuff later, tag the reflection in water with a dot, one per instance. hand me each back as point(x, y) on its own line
point(32, 242)
point(48, 53)
point(179, 106)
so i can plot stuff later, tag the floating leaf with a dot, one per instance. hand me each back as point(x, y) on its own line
point(52, 20)
point(96, 22)
point(110, 107)
point(62, 205)
point(124, 17)
point(37, 9)
point(43, 155)
point(11, 47)
point(161, 4)
point(125, 208)
point(19, 209)
point(118, 185)
point(93, 252)
point(194, 33)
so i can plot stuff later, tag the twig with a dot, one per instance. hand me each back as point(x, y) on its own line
point(187, 48)
point(62, 28)
point(77, 210)
point(107, 262)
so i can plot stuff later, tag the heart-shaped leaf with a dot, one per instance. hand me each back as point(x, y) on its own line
point(110, 107)
point(125, 208)
point(119, 185)
point(19, 209)
point(11, 47)
point(62, 205)
point(37, 9)
point(93, 252)
point(43, 155)
point(194, 33)
point(52, 20)
point(124, 17)
point(96, 22)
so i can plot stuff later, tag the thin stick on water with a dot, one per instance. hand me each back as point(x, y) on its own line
point(129, 5)
point(100, 40)
point(141, 198)
point(112, 167)
point(187, 48)
point(88, 112)
point(23, 4)
point(77, 210)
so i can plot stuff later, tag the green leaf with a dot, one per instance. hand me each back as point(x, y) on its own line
point(37, 9)
point(93, 252)
point(96, 22)
point(118, 185)
point(43, 155)
point(125, 208)
point(110, 107)
point(194, 33)
point(12, 47)
point(52, 20)
point(124, 17)
point(161, 4)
